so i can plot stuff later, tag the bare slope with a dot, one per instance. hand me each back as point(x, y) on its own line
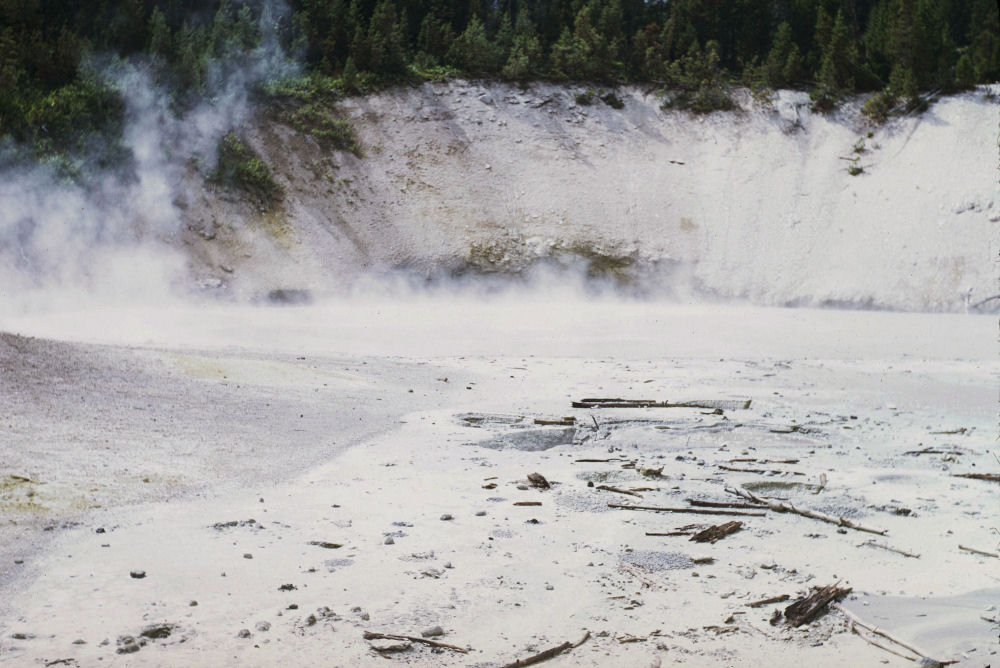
point(758, 204)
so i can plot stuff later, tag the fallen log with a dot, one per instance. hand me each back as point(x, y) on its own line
point(782, 507)
point(809, 608)
point(724, 404)
point(549, 653)
point(693, 511)
point(371, 635)
point(716, 533)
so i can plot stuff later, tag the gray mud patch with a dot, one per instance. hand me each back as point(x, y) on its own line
point(653, 560)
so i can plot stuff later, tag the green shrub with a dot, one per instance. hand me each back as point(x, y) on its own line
point(239, 167)
point(585, 98)
point(612, 100)
point(695, 82)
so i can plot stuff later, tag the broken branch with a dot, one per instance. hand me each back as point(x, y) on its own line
point(781, 507)
point(982, 552)
point(809, 608)
point(693, 511)
point(891, 549)
point(767, 601)
point(924, 658)
point(606, 488)
point(371, 635)
point(548, 654)
point(716, 533)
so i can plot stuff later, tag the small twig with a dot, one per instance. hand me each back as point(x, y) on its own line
point(527, 503)
point(768, 601)
point(875, 643)
point(600, 461)
point(891, 549)
point(548, 654)
point(693, 511)
point(606, 488)
point(924, 658)
point(668, 533)
point(371, 635)
point(982, 552)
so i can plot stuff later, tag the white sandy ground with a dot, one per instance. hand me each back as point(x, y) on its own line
point(864, 388)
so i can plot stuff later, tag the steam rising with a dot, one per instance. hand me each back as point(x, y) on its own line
point(113, 237)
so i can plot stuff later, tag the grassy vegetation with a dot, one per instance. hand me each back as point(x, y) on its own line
point(240, 168)
point(308, 104)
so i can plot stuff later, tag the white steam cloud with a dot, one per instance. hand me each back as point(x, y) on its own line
point(113, 239)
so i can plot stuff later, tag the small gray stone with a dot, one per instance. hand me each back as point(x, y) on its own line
point(244, 633)
point(480, 513)
point(138, 575)
point(263, 627)
point(446, 517)
point(248, 556)
point(389, 540)
point(432, 632)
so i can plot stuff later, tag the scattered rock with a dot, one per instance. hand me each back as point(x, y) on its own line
point(247, 555)
point(432, 632)
point(157, 631)
point(263, 627)
point(389, 540)
point(480, 513)
point(287, 587)
point(446, 517)
point(326, 545)
point(538, 480)
point(79, 641)
point(138, 575)
point(244, 633)
point(390, 646)
point(193, 603)
point(129, 644)
point(22, 636)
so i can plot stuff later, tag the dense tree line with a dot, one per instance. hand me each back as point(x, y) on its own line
point(831, 47)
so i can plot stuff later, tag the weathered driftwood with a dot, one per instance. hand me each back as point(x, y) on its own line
point(527, 503)
point(693, 511)
point(371, 635)
point(716, 533)
point(668, 533)
point(782, 507)
point(809, 608)
point(600, 461)
point(935, 451)
point(951, 432)
point(768, 601)
point(737, 460)
point(549, 653)
point(568, 421)
point(975, 551)
point(891, 549)
point(735, 469)
point(922, 656)
point(724, 404)
point(724, 504)
point(991, 477)
point(608, 488)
